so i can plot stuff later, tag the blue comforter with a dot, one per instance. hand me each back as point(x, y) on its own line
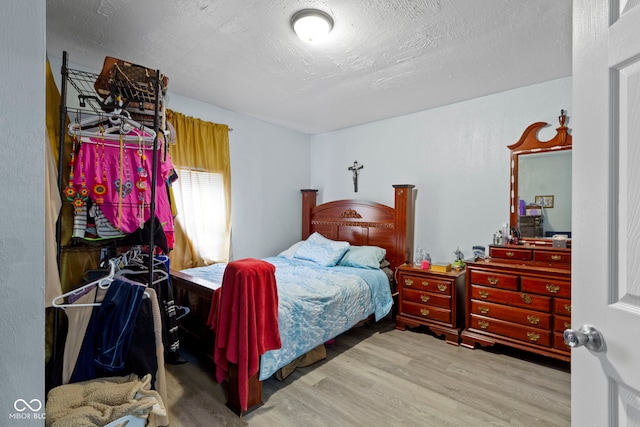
point(315, 304)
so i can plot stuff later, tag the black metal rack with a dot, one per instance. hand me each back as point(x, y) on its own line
point(95, 96)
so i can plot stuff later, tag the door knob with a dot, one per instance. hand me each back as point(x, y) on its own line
point(586, 335)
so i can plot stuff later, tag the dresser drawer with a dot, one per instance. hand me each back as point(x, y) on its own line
point(522, 333)
point(551, 287)
point(551, 256)
point(512, 314)
point(517, 299)
point(510, 253)
point(433, 299)
point(427, 312)
point(426, 284)
point(560, 323)
point(498, 280)
point(562, 306)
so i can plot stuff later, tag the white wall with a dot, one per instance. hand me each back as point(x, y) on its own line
point(269, 166)
point(456, 156)
point(22, 118)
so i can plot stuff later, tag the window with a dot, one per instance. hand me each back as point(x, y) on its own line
point(201, 194)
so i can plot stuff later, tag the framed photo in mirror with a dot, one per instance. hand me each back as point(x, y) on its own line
point(544, 201)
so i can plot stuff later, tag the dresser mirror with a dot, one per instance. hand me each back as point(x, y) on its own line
point(540, 193)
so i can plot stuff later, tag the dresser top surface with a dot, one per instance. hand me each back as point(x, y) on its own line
point(411, 269)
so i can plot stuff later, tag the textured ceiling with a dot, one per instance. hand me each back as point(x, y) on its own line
point(384, 58)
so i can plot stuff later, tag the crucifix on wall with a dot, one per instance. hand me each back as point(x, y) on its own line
point(356, 171)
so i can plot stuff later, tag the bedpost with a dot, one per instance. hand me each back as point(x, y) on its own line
point(254, 400)
point(404, 222)
point(308, 202)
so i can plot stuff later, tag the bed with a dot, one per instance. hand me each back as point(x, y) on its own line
point(335, 297)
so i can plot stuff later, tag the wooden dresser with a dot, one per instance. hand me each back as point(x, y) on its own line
point(520, 297)
point(432, 299)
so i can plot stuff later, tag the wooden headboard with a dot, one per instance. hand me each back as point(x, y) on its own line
point(365, 223)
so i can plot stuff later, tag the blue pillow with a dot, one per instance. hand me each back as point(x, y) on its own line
point(363, 257)
point(322, 251)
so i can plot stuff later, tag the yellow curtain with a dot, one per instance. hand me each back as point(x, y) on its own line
point(200, 146)
point(73, 263)
point(52, 201)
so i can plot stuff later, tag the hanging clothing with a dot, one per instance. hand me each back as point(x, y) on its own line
point(78, 319)
point(90, 223)
point(161, 379)
point(162, 286)
point(109, 332)
point(171, 336)
point(118, 177)
point(141, 358)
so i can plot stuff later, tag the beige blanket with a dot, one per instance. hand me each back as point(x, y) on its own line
point(100, 401)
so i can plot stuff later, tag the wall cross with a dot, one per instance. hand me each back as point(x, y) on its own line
point(356, 171)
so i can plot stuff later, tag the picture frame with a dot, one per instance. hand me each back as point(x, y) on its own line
point(544, 201)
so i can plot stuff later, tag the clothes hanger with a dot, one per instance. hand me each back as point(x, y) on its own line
point(128, 421)
point(128, 272)
point(120, 125)
point(122, 131)
point(135, 257)
point(102, 283)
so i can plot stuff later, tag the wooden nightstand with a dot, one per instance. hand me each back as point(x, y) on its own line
point(432, 299)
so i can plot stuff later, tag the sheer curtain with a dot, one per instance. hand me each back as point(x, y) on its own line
point(202, 193)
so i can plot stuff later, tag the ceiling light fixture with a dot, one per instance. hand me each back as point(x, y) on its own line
point(311, 25)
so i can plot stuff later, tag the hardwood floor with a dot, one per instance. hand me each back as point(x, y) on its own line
point(378, 376)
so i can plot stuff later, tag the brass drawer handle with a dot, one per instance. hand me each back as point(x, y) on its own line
point(483, 310)
point(424, 311)
point(533, 336)
point(493, 280)
point(552, 288)
point(509, 254)
point(567, 307)
point(567, 325)
point(424, 298)
point(442, 287)
point(534, 320)
point(425, 283)
point(526, 298)
point(556, 257)
point(483, 324)
point(408, 282)
point(483, 294)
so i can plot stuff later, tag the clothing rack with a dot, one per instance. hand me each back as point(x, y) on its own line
point(91, 103)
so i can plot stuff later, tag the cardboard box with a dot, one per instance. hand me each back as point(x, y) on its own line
point(441, 266)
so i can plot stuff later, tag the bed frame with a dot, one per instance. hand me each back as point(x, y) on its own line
point(355, 221)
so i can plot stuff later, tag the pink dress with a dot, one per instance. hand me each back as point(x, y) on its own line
point(118, 178)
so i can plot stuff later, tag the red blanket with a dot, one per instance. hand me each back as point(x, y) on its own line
point(246, 320)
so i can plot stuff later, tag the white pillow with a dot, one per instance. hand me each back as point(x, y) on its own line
point(322, 251)
point(289, 253)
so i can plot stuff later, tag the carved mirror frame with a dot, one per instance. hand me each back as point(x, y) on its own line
point(530, 144)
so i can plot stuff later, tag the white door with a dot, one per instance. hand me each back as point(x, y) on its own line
point(605, 124)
